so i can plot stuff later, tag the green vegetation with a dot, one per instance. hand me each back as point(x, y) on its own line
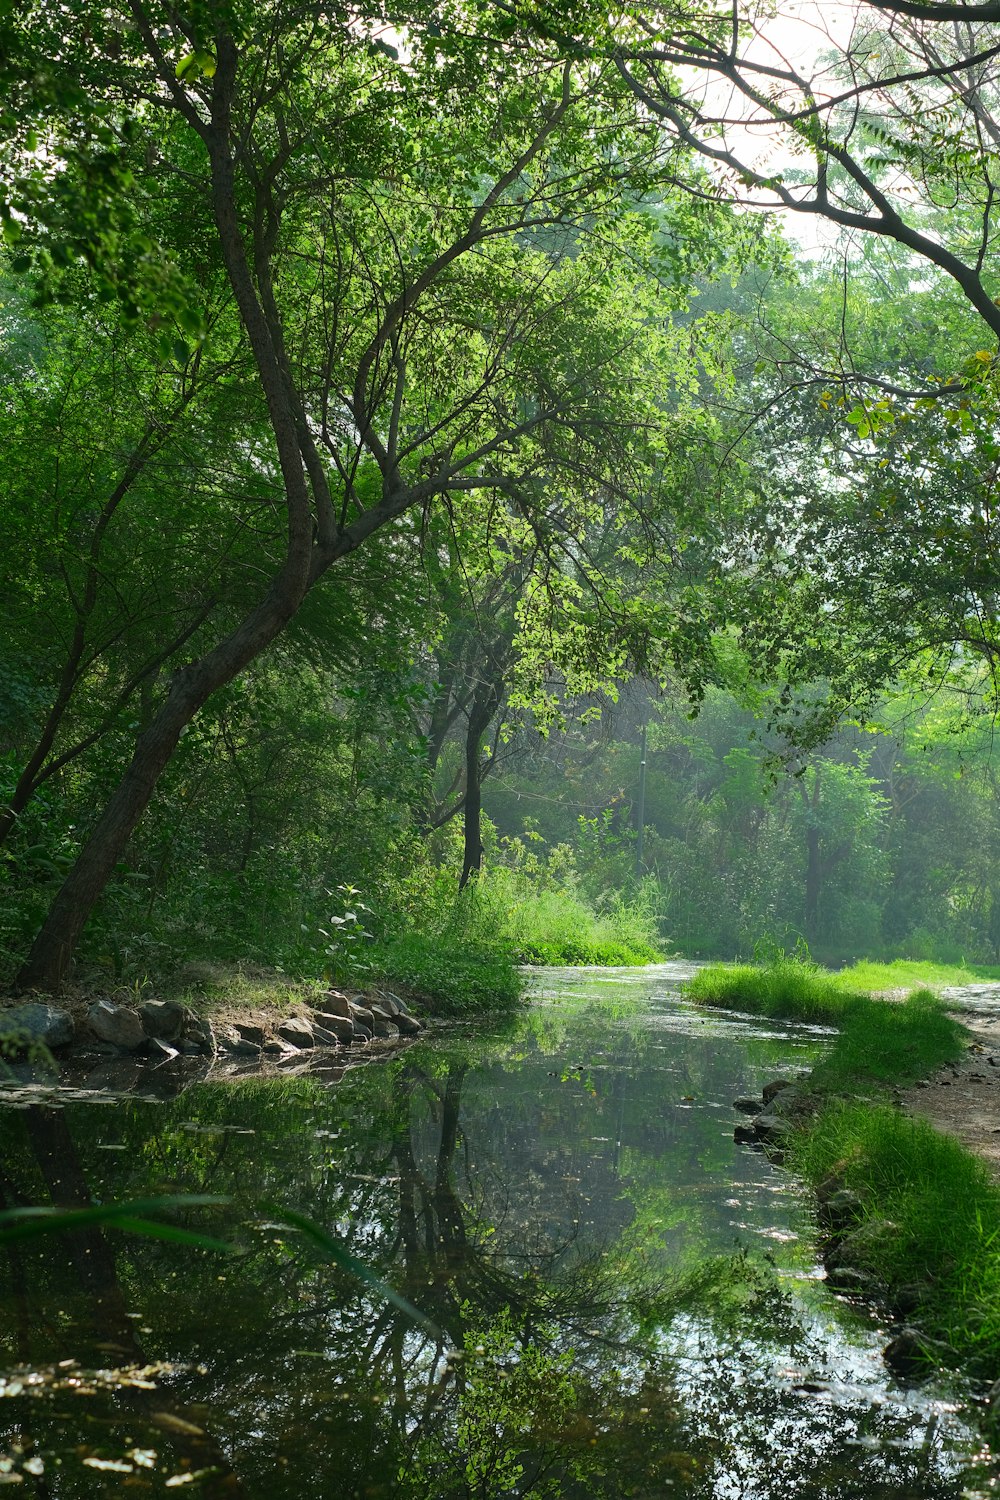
point(943, 1207)
point(785, 988)
point(888, 1042)
point(457, 610)
point(456, 977)
point(877, 1042)
point(946, 1213)
point(909, 973)
point(539, 913)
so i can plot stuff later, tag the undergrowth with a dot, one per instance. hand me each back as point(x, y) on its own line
point(944, 1205)
point(786, 988)
point(941, 1204)
point(889, 1042)
point(540, 915)
point(453, 976)
point(906, 973)
point(878, 1041)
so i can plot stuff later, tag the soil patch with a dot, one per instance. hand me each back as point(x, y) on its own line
point(963, 1098)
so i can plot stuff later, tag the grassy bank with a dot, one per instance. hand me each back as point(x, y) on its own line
point(880, 1042)
point(926, 1217)
point(939, 1260)
point(448, 975)
point(906, 973)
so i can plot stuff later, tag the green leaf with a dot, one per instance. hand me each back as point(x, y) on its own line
point(26, 1223)
point(335, 1252)
point(196, 65)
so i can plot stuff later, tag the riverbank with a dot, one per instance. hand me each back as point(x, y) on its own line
point(251, 1017)
point(908, 1215)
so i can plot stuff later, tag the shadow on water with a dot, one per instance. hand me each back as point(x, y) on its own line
point(625, 1302)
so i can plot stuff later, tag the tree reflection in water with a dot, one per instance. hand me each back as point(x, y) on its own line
point(548, 1198)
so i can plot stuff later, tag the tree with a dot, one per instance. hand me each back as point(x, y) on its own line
point(900, 119)
point(437, 278)
point(891, 136)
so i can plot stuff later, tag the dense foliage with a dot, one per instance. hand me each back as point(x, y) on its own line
point(382, 400)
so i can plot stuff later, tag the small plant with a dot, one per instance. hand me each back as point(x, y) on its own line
point(345, 933)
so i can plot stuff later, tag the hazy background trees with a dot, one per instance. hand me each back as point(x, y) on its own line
point(398, 419)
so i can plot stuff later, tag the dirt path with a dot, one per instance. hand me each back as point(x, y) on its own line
point(964, 1098)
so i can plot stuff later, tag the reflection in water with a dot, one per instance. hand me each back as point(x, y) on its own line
point(625, 1301)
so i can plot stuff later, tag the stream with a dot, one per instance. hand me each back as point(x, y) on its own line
point(598, 1293)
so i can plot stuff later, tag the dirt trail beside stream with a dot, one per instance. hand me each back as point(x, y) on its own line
point(964, 1098)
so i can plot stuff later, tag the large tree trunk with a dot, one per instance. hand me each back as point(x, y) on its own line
point(52, 951)
point(53, 948)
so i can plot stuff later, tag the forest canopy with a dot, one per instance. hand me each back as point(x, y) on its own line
point(411, 412)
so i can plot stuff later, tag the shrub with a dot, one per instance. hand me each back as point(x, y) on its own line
point(451, 975)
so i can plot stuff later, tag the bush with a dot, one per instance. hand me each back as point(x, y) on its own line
point(536, 911)
point(787, 988)
point(450, 975)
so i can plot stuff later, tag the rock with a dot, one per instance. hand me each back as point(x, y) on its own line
point(408, 1025)
point(324, 1038)
point(382, 1027)
point(188, 1048)
point(912, 1354)
point(863, 1246)
point(201, 1032)
point(336, 1004)
point(297, 1031)
point(341, 1027)
point(362, 1033)
point(749, 1106)
point(850, 1279)
point(773, 1130)
point(907, 1299)
point(38, 1023)
point(116, 1024)
point(250, 1032)
point(401, 1005)
point(770, 1089)
point(230, 1039)
point(273, 1048)
point(390, 1004)
point(745, 1135)
point(165, 1019)
point(841, 1210)
point(791, 1102)
point(362, 1014)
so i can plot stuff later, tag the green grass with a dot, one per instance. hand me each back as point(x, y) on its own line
point(905, 973)
point(786, 988)
point(549, 923)
point(890, 1042)
point(946, 1209)
point(941, 1199)
point(878, 1041)
point(449, 975)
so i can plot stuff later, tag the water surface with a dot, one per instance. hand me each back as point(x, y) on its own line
point(614, 1299)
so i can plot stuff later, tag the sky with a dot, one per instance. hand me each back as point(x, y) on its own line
point(798, 36)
